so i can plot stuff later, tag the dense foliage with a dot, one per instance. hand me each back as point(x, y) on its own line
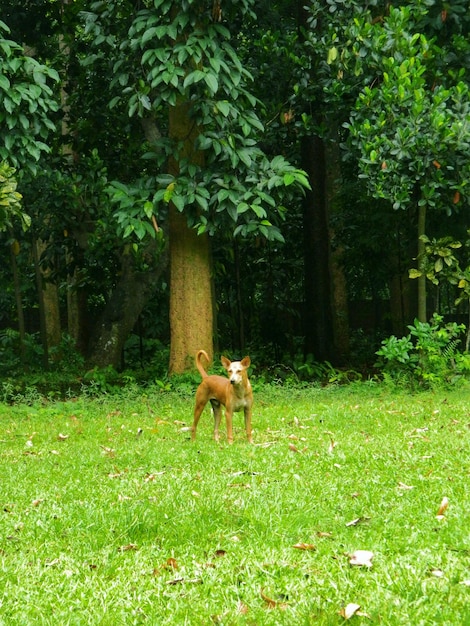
point(113, 113)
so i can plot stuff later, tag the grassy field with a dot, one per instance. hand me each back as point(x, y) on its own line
point(110, 515)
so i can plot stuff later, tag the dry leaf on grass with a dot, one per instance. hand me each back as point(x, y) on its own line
point(358, 520)
point(220, 553)
point(170, 564)
point(438, 573)
point(108, 451)
point(242, 608)
point(350, 610)
point(273, 604)
point(128, 547)
point(333, 443)
point(404, 487)
point(443, 508)
point(62, 437)
point(187, 581)
point(304, 546)
point(361, 558)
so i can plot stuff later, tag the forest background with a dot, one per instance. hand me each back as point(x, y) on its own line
point(285, 179)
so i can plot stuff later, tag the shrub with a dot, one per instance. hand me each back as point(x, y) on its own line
point(427, 356)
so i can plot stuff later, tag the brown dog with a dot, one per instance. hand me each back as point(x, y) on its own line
point(233, 392)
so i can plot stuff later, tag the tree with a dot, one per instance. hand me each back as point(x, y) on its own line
point(26, 103)
point(178, 72)
point(411, 133)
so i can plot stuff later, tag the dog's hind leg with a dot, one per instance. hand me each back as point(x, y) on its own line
point(217, 410)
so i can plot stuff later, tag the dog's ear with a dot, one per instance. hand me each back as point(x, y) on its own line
point(225, 362)
point(246, 361)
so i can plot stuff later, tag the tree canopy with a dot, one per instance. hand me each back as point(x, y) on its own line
point(240, 164)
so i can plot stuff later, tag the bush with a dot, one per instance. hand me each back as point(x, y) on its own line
point(427, 356)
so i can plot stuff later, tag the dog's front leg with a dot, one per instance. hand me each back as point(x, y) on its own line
point(228, 421)
point(249, 435)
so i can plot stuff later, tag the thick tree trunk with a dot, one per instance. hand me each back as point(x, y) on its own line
point(49, 311)
point(122, 311)
point(191, 319)
point(318, 324)
point(191, 296)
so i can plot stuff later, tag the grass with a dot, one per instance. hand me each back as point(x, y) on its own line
point(109, 515)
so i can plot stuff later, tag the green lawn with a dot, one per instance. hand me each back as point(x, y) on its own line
point(109, 515)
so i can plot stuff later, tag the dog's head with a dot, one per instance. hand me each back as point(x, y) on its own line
point(236, 370)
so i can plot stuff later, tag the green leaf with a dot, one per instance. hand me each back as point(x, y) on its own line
point(4, 82)
point(212, 83)
point(332, 55)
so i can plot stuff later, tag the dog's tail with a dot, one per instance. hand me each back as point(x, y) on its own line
point(199, 365)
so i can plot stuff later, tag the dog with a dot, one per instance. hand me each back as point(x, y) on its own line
point(234, 393)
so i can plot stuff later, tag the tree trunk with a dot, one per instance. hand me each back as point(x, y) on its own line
point(19, 300)
point(319, 339)
point(339, 291)
point(49, 312)
point(122, 311)
point(422, 314)
point(191, 317)
point(191, 309)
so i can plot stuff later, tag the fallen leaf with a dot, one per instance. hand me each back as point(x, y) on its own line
point(403, 486)
point(62, 437)
point(324, 534)
point(361, 558)
point(273, 604)
point(304, 546)
point(128, 547)
point(465, 582)
point(242, 608)
point(37, 502)
point(108, 451)
point(189, 581)
point(438, 573)
point(293, 448)
point(358, 520)
point(350, 610)
point(443, 508)
point(220, 553)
